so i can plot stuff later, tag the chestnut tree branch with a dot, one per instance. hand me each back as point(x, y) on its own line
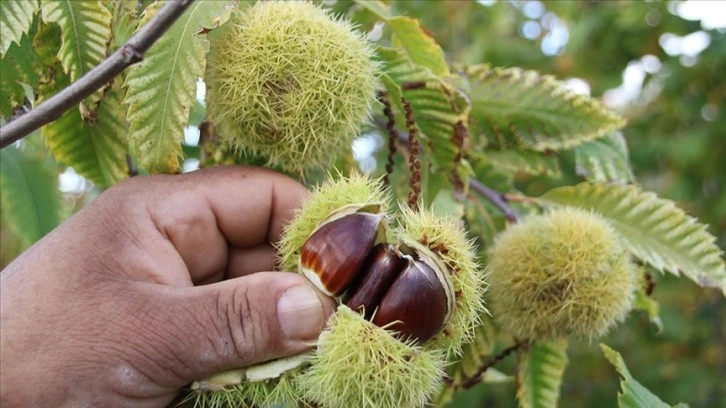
point(495, 198)
point(476, 378)
point(128, 54)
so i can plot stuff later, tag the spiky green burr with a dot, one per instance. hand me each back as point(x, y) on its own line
point(358, 365)
point(564, 273)
point(289, 82)
point(446, 238)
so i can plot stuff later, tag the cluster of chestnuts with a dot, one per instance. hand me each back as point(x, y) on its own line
point(409, 296)
point(394, 286)
point(290, 83)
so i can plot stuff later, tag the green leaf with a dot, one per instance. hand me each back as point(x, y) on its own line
point(633, 394)
point(517, 108)
point(643, 302)
point(418, 44)
point(16, 17)
point(85, 37)
point(18, 66)
point(648, 305)
point(162, 87)
point(445, 204)
point(656, 231)
point(525, 162)
point(125, 19)
point(604, 159)
point(540, 372)
point(47, 42)
point(494, 177)
point(377, 7)
point(86, 31)
point(31, 202)
point(95, 150)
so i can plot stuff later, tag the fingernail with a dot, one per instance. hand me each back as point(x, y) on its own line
point(300, 313)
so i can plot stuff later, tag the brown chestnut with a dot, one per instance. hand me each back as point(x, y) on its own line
point(334, 254)
point(418, 304)
point(380, 270)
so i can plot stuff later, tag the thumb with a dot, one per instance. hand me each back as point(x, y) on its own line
point(237, 322)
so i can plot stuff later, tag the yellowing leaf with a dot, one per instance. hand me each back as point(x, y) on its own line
point(16, 16)
point(95, 150)
point(86, 31)
point(85, 36)
point(540, 374)
point(162, 87)
point(18, 66)
point(656, 231)
point(419, 45)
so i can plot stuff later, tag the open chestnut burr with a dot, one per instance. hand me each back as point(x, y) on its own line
point(408, 293)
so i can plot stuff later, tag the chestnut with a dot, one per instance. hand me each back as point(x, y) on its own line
point(405, 292)
point(418, 304)
point(333, 255)
point(380, 270)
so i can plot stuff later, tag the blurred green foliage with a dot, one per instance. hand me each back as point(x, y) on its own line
point(676, 134)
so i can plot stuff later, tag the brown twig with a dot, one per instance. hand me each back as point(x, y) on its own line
point(392, 136)
point(477, 376)
point(130, 53)
point(414, 164)
point(495, 197)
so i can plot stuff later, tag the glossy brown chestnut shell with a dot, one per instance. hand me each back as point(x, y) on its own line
point(333, 255)
point(380, 271)
point(417, 304)
point(406, 293)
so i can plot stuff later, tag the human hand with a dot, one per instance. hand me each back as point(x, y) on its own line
point(104, 310)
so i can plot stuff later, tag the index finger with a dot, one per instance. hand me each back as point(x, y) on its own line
point(205, 213)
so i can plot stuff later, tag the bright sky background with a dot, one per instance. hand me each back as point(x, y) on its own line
point(711, 13)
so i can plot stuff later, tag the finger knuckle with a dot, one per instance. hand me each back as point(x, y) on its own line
point(247, 330)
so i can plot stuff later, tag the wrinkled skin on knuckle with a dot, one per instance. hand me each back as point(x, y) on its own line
point(249, 332)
